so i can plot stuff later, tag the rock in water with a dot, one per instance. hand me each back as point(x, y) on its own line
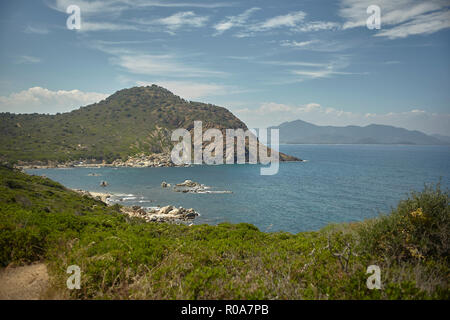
point(188, 183)
point(104, 184)
point(164, 184)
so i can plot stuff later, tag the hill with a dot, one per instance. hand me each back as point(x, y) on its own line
point(303, 132)
point(129, 122)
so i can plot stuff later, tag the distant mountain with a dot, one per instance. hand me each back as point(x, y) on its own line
point(307, 133)
point(132, 121)
point(445, 139)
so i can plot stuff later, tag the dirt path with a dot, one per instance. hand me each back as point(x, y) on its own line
point(23, 283)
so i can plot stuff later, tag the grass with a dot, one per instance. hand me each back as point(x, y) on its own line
point(124, 258)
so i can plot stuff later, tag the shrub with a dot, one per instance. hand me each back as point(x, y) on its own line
point(418, 229)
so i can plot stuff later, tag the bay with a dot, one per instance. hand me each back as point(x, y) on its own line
point(337, 183)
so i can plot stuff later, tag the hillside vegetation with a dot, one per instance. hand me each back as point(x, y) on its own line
point(125, 258)
point(129, 122)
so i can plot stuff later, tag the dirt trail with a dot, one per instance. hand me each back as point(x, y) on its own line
point(24, 283)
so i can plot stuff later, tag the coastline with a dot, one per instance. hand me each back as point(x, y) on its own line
point(141, 160)
point(115, 164)
point(156, 160)
point(165, 214)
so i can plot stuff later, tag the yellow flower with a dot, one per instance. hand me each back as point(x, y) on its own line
point(417, 214)
point(415, 253)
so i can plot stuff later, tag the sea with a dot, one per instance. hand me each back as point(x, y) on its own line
point(336, 183)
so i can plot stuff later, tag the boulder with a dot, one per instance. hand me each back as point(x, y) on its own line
point(191, 215)
point(188, 183)
point(165, 210)
point(175, 212)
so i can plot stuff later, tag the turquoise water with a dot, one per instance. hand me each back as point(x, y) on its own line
point(338, 183)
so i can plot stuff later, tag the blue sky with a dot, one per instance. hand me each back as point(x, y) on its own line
point(266, 61)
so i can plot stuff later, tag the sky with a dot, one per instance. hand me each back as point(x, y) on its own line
point(266, 61)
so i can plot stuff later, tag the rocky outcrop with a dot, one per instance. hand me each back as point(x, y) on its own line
point(164, 214)
point(156, 160)
point(96, 195)
point(156, 214)
point(189, 183)
point(189, 186)
point(165, 184)
point(143, 161)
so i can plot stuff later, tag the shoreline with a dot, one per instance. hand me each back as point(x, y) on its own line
point(115, 166)
point(156, 160)
point(166, 214)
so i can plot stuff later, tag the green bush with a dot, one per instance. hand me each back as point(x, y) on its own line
point(418, 229)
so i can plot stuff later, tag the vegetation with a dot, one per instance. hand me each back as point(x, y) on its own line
point(124, 258)
point(131, 121)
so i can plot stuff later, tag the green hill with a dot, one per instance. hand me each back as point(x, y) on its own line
point(129, 122)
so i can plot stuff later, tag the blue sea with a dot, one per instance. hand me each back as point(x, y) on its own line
point(337, 183)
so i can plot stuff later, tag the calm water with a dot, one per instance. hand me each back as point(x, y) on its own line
point(338, 183)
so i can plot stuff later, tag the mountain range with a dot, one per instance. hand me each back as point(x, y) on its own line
point(302, 132)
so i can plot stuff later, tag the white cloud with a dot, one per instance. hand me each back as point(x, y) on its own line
point(171, 23)
point(106, 15)
point(234, 21)
point(320, 73)
point(297, 64)
point(271, 113)
point(27, 60)
point(182, 19)
point(289, 20)
point(424, 24)
point(328, 45)
point(106, 26)
point(320, 70)
point(36, 30)
point(41, 100)
point(293, 22)
point(317, 26)
point(399, 18)
point(304, 70)
point(87, 7)
point(117, 6)
point(160, 65)
point(298, 44)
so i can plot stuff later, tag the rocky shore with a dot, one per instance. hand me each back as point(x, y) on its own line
point(156, 214)
point(156, 160)
point(103, 197)
point(164, 214)
point(144, 161)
